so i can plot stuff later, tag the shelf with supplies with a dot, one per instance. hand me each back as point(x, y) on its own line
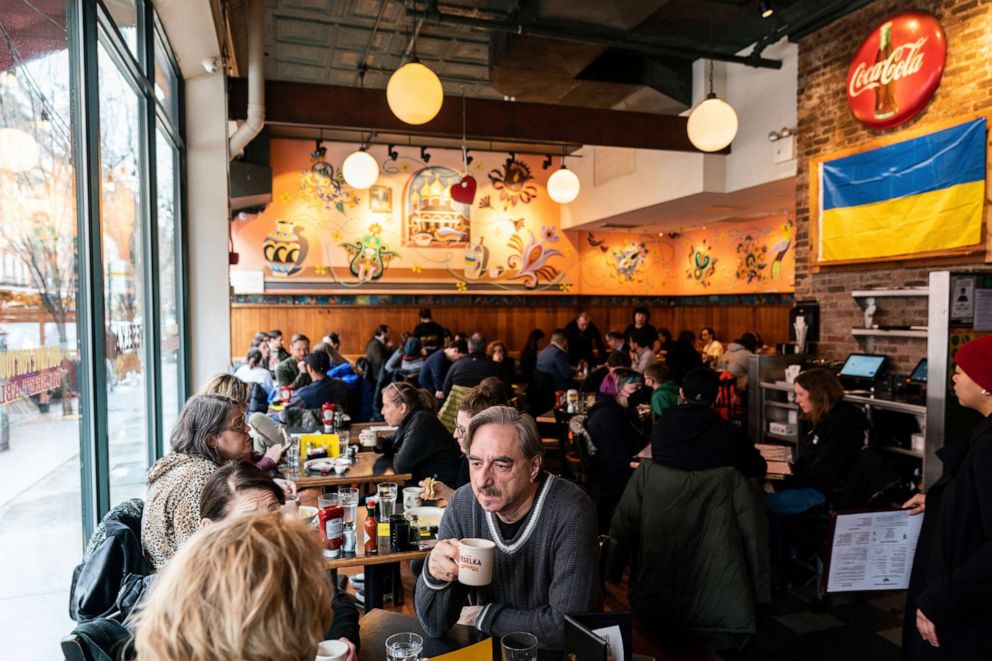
point(917, 292)
point(880, 332)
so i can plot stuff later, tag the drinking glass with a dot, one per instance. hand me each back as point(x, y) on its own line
point(328, 500)
point(293, 458)
point(519, 646)
point(349, 500)
point(344, 438)
point(404, 647)
point(387, 499)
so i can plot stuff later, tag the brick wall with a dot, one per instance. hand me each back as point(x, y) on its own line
point(826, 124)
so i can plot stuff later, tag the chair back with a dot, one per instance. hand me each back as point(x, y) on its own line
point(72, 648)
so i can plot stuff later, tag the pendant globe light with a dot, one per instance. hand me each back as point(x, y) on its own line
point(414, 93)
point(563, 185)
point(360, 170)
point(712, 123)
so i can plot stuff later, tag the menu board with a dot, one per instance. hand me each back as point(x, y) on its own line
point(870, 550)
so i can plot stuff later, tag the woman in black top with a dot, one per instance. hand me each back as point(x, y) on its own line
point(835, 433)
point(421, 445)
point(528, 355)
point(614, 428)
point(506, 367)
point(642, 317)
point(948, 612)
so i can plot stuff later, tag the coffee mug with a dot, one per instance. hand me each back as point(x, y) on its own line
point(475, 561)
point(411, 498)
point(332, 650)
point(367, 438)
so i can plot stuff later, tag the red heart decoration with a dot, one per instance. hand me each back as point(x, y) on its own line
point(464, 190)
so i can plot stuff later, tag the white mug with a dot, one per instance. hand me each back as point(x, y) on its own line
point(411, 498)
point(332, 650)
point(475, 561)
point(367, 438)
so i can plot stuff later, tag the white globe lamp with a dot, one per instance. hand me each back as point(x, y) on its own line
point(360, 170)
point(414, 93)
point(712, 124)
point(563, 186)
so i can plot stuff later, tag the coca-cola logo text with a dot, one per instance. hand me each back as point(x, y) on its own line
point(896, 70)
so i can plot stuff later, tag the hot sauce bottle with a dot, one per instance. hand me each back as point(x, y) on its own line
point(371, 540)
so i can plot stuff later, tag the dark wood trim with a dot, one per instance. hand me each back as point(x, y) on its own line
point(305, 104)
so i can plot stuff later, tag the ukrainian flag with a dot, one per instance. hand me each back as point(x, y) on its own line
point(916, 196)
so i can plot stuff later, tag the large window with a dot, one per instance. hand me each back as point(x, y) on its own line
point(91, 288)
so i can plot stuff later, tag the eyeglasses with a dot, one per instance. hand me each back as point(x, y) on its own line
point(459, 431)
point(241, 426)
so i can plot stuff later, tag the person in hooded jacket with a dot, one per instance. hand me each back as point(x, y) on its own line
point(615, 429)
point(948, 612)
point(735, 359)
point(835, 434)
point(695, 437)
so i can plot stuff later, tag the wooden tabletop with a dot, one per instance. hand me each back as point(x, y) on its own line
point(359, 559)
point(369, 468)
point(378, 625)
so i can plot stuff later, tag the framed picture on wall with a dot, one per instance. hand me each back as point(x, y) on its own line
point(381, 199)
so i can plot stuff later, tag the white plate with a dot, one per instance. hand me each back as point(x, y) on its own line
point(307, 514)
point(319, 464)
point(426, 515)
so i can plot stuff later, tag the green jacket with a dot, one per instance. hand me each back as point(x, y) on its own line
point(664, 397)
point(699, 549)
point(288, 374)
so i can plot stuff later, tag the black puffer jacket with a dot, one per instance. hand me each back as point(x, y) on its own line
point(617, 434)
point(952, 571)
point(829, 450)
point(692, 437)
point(425, 448)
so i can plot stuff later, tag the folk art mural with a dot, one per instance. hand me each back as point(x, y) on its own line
point(430, 226)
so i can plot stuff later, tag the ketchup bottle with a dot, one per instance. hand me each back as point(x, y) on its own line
point(327, 415)
point(332, 529)
point(371, 540)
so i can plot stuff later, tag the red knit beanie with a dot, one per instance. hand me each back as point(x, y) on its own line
point(975, 360)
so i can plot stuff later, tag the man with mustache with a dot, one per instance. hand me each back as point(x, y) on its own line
point(544, 529)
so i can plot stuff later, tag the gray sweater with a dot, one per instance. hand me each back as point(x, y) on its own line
point(549, 569)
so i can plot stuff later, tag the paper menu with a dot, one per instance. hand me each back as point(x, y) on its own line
point(871, 551)
point(614, 641)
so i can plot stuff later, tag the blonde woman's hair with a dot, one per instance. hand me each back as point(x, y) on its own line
point(250, 587)
point(227, 385)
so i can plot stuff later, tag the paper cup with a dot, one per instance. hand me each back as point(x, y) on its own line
point(475, 561)
point(332, 650)
point(411, 498)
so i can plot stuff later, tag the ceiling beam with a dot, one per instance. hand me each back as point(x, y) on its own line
point(305, 104)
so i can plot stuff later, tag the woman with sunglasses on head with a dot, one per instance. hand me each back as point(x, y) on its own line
point(948, 612)
point(421, 445)
point(211, 431)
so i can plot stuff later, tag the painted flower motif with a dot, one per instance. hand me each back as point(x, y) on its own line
point(320, 269)
point(417, 268)
point(375, 229)
point(405, 167)
point(461, 285)
point(285, 198)
point(549, 234)
point(565, 286)
point(569, 251)
point(336, 234)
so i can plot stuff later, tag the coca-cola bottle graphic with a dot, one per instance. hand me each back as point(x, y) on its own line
point(885, 99)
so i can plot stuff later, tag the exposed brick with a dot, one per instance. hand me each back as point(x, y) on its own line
point(826, 125)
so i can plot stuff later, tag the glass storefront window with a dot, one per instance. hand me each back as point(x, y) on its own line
point(166, 81)
point(167, 158)
point(40, 520)
point(125, 15)
point(121, 222)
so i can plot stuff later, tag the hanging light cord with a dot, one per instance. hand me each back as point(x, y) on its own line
point(711, 77)
point(464, 145)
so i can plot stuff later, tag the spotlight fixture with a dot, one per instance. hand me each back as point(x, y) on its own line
point(392, 153)
point(784, 132)
point(319, 150)
point(512, 157)
point(424, 156)
point(712, 123)
point(766, 8)
point(546, 163)
point(468, 159)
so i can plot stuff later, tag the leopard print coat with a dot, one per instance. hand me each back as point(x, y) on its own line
point(172, 510)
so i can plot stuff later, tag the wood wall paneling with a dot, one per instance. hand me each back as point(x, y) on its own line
point(512, 325)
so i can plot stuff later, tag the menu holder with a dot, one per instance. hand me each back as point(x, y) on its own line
point(599, 637)
point(870, 550)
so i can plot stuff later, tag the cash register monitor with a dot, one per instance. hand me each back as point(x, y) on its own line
point(862, 366)
point(919, 374)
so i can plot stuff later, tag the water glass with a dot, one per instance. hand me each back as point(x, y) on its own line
point(328, 500)
point(344, 438)
point(404, 647)
point(387, 499)
point(349, 500)
point(519, 646)
point(293, 457)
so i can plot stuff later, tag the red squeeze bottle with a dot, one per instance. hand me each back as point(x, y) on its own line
point(371, 526)
point(331, 529)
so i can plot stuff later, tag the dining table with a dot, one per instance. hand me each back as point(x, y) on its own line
point(377, 625)
point(369, 469)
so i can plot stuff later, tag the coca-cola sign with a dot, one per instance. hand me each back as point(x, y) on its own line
point(896, 70)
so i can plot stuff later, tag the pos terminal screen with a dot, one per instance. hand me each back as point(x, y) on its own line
point(862, 366)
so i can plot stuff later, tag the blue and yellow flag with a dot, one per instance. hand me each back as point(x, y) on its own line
point(916, 196)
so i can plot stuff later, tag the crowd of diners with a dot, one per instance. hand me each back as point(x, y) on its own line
point(231, 572)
